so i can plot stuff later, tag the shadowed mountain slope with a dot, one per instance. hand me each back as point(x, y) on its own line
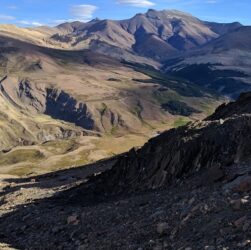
point(240, 107)
point(155, 34)
point(222, 65)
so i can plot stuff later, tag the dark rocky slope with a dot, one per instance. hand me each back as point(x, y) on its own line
point(240, 107)
point(193, 192)
point(222, 65)
point(216, 144)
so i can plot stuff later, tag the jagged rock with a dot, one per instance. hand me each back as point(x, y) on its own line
point(177, 153)
point(240, 107)
point(236, 204)
point(240, 184)
point(162, 228)
point(209, 248)
point(240, 222)
point(73, 220)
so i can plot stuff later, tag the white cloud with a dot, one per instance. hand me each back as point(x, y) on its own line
point(137, 3)
point(60, 21)
point(12, 7)
point(6, 17)
point(30, 23)
point(83, 12)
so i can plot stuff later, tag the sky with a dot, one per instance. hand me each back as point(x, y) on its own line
point(53, 12)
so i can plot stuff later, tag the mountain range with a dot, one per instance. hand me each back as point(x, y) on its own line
point(108, 79)
point(131, 134)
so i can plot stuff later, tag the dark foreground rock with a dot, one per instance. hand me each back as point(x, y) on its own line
point(215, 146)
point(184, 216)
point(189, 188)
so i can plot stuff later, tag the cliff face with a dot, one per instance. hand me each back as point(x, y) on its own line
point(240, 107)
point(181, 152)
point(99, 116)
point(23, 121)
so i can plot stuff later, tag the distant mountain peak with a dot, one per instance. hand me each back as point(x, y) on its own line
point(95, 20)
point(169, 12)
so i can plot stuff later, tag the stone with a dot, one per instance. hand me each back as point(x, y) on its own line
point(240, 184)
point(213, 175)
point(236, 204)
point(246, 226)
point(72, 220)
point(244, 201)
point(209, 248)
point(226, 231)
point(240, 222)
point(221, 121)
point(157, 214)
point(162, 228)
point(83, 247)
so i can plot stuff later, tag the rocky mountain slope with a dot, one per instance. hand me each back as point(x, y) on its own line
point(237, 108)
point(174, 41)
point(222, 65)
point(219, 143)
point(188, 188)
point(90, 90)
point(155, 34)
point(65, 103)
point(78, 100)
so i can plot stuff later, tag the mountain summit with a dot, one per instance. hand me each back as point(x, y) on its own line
point(153, 34)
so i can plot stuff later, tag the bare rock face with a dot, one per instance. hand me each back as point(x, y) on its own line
point(181, 152)
point(240, 184)
point(62, 105)
point(241, 106)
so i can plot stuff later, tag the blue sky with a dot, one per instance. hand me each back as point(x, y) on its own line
point(52, 12)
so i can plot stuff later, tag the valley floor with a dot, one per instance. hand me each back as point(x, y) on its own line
point(70, 153)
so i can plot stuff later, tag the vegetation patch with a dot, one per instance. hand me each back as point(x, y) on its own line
point(180, 122)
point(22, 155)
point(61, 146)
point(173, 82)
point(179, 108)
point(205, 75)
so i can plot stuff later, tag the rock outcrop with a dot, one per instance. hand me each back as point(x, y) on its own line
point(240, 107)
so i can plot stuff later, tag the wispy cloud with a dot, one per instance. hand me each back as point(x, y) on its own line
point(211, 1)
point(6, 17)
point(191, 2)
point(30, 23)
point(83, 12)
point(12, 7)
point(137, 3)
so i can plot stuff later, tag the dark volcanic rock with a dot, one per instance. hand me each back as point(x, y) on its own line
point(205, 165)
point(241, 106)
point(216, 146)
point(180, 152)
